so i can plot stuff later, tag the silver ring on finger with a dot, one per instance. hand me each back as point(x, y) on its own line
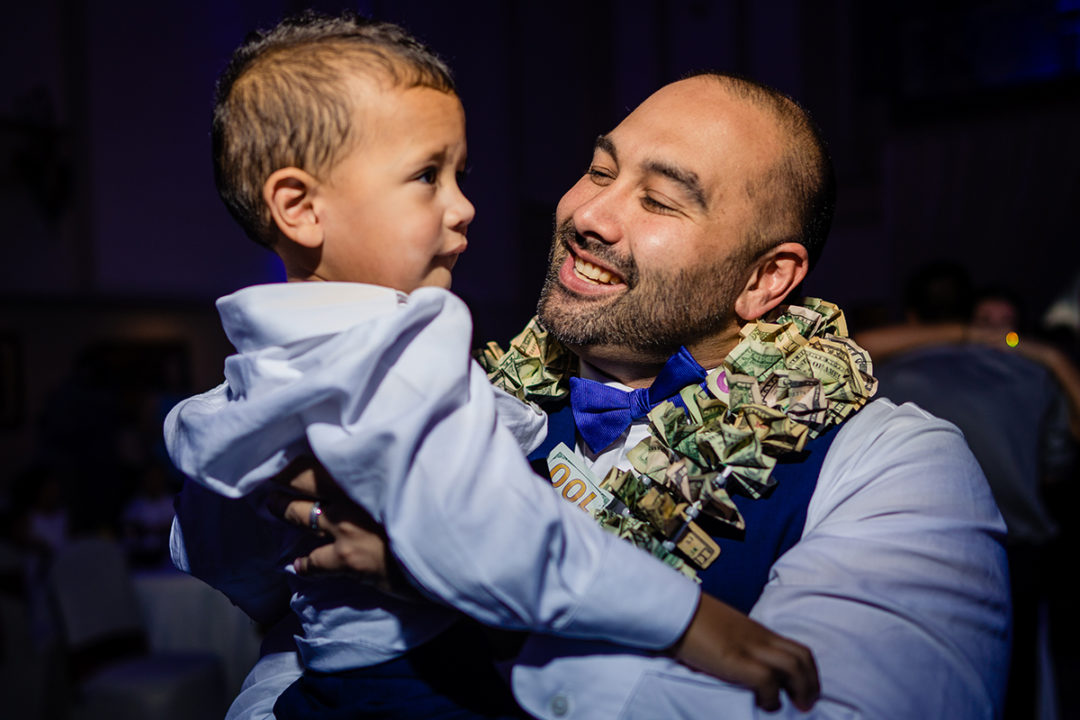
point(314, 515)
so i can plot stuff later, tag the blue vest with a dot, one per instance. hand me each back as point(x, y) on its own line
point(773, 523)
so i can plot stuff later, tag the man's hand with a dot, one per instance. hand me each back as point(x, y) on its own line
point(357, 544)
point(723, 642)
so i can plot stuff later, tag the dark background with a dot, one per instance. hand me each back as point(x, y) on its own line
point(953, 126)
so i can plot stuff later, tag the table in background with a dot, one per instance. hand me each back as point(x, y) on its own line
point(185, 614)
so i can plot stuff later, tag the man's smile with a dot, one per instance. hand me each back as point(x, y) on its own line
point(583, 273)
point(595, 273)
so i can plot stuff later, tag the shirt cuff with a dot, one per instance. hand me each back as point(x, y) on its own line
point(636, 600)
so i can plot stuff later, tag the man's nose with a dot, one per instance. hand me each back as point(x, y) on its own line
point(598, 215)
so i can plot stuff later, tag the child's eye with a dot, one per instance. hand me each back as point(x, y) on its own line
point(428, 176)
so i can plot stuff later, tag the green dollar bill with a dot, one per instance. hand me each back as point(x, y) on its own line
point(806, 320)
point(536, 367)
point(575, 482)
point(742, 390)
point(753, 357)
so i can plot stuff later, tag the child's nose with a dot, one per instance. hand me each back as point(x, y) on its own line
point(460, 213)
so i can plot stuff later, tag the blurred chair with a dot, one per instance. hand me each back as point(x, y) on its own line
point(113, 674)
point(31, 678)
point(183, 614)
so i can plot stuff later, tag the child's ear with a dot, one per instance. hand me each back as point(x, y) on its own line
point(290, 193)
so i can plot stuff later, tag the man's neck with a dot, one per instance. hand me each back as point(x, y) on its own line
point(634, 375)
point(637, 369)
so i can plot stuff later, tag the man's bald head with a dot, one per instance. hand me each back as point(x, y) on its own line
point(699, 212)
point(797, 196)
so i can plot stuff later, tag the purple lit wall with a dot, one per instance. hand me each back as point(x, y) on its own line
point(128, 85)
point(953, 133)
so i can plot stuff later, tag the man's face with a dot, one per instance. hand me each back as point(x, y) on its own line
point(995, 314)
point(651, 245)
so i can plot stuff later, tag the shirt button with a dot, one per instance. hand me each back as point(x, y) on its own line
point(560, 705)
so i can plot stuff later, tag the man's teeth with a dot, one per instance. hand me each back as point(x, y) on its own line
point(590, 272)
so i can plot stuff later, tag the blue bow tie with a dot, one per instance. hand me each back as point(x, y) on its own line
point(603, 413)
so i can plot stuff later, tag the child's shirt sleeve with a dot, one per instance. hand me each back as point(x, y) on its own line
point(525, 420)
point(407, 425)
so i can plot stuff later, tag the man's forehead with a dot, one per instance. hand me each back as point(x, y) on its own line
point(699, 119)
point(699, 126)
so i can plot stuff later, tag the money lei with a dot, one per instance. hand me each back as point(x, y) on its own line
point(793, 375)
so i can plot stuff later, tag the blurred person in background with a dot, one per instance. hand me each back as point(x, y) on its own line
point(961, 357)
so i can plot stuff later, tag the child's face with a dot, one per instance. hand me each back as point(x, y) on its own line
point(392, 210)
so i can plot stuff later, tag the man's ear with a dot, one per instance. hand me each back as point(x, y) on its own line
point(290, 195)
point(773, 276)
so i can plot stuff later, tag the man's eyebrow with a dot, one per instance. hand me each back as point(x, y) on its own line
point(603, 142)
point(687, 178)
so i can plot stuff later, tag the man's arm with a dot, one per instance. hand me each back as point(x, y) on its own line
point(898, 586)
point(899, 583)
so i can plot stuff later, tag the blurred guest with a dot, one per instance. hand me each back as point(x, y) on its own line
point(41, 510)
point(998, 320)
point(997, 309)
point(1012, 412)
point(39, 527)
point(1062, 318)
point(147, 519)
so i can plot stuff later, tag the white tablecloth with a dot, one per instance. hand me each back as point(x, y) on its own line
point(185, 614)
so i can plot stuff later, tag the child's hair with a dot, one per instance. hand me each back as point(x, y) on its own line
point(284, 101)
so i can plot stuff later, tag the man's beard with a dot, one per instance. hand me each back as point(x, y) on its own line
point(659, 311)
